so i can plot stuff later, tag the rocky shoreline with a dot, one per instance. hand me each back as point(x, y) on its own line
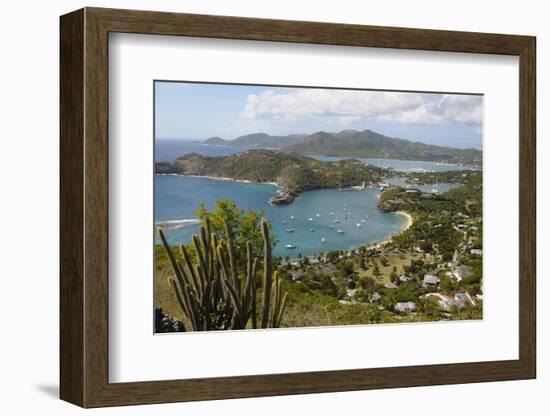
point(284, 197)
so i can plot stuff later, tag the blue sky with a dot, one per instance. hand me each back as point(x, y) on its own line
point(199, 111)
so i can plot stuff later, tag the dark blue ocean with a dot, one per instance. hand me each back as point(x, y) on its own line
point(321, 220)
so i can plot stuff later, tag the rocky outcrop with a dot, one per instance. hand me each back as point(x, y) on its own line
point(166, 323)
point(283, 198)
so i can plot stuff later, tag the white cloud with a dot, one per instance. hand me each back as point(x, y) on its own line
point(344, 106)
point(460, 109)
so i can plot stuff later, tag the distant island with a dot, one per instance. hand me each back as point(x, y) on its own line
point(353, 143)
point(292, 172)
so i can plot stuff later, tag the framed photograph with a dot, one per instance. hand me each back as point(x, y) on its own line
point(256, 207)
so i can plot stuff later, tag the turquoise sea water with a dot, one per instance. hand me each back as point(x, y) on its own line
point(354, 212)
point(176, 197)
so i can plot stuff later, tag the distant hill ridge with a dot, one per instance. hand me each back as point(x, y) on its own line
point(353, 143)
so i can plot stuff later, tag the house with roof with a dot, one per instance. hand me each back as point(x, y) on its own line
point(460, 300)
point(375, 297)
point(460, 272)
point(430, 281)
point(404, 307)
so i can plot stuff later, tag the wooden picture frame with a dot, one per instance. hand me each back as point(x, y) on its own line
point(84, 207)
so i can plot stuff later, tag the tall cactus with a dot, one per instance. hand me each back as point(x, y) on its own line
point(213, 294)
point(268, 275)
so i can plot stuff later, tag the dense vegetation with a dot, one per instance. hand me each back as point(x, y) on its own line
point(466, 177)
point(436, 215)
point(293, 172)
point(352, 143)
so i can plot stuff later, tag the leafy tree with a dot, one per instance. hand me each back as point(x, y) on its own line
point(376, 270)
point(244, 226)
point(332, 255)
point(430, 306)
point(373, 314)
point(447, 284)
point(406, 292)
point(345, 269)
point(393, 275)
point(367, 283)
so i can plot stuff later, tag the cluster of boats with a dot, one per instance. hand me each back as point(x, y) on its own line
point(346, 215)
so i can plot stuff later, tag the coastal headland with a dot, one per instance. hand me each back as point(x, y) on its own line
point(291, 172)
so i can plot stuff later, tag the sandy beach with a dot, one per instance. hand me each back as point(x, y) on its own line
point(221, 178)
point(409, 223)
point(409, 218)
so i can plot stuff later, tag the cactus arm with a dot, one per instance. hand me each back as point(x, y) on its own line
point(171, 257)
point(206, 250)
point(268, 274)
point(282, 310)
point(190, 267)
point(247, 295)
point(232, 256)
point(202, 261)
point(236, 303)
point(253, 291)
point(186, 304)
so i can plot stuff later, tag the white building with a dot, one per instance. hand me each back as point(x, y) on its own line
point(405, 307)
